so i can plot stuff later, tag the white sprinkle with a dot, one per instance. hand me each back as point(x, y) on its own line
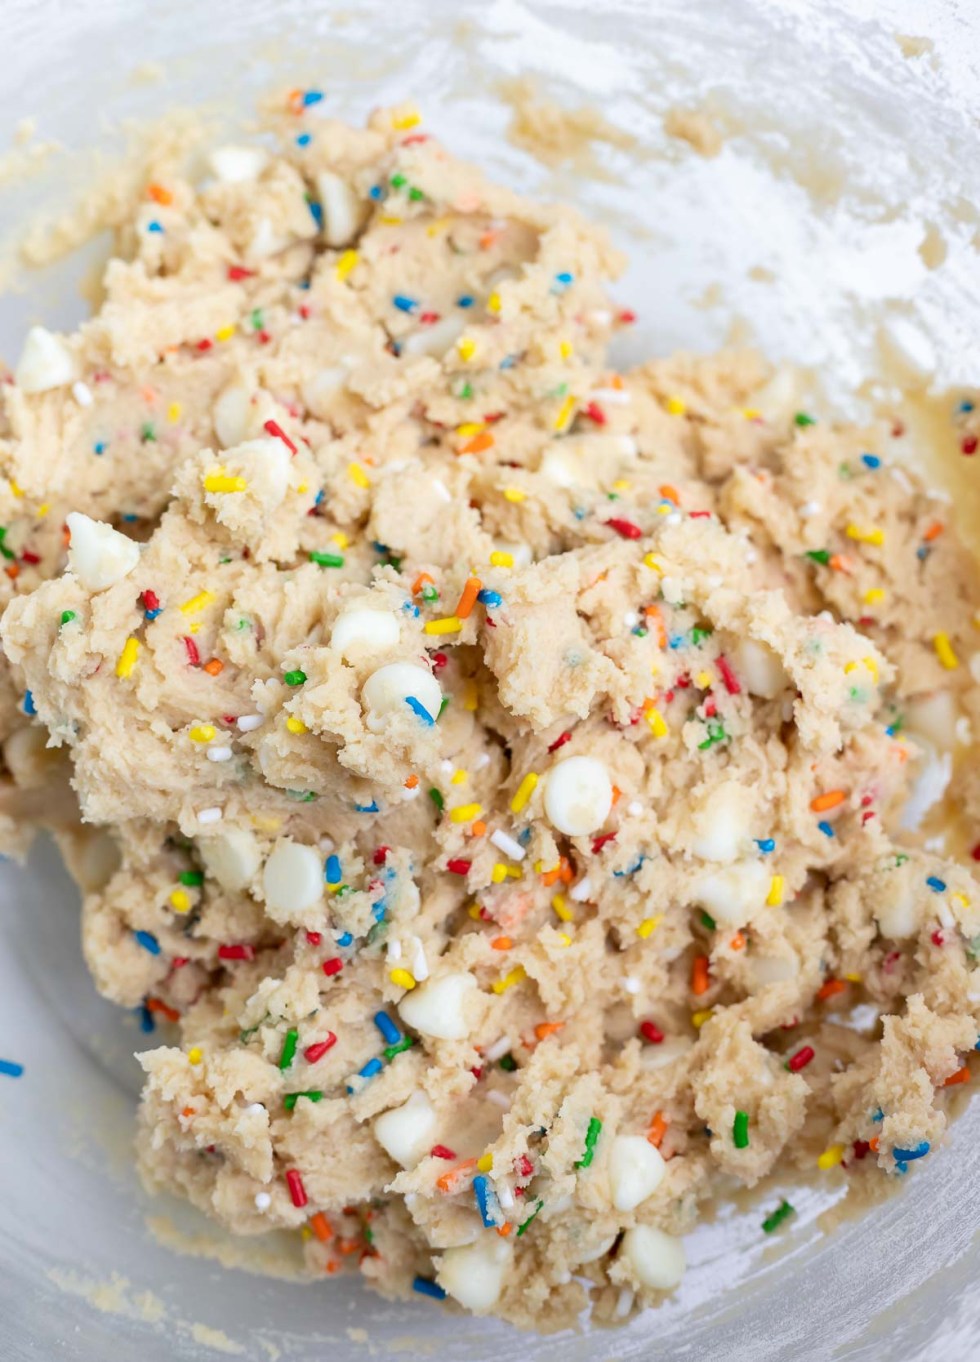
point(601, 316)
point(82, 393)
point(262, 1201)
point(946, 918)
point(614, 397)
point(394, 950)
point(212, 815)
point(631, 985)
point(498, 1049)
point(674, 518)
point(254, 1108)
point(624, 1302)
point(411, 794)
point(446, 765)
point(441, 489)
point(326, 845)
point(420, 965)
point(508, 845)
point(482, 760)
point(634, 808)
point(809, 509)
point(631, 619)
point(504, 1195)
point(499, 1099)
point(249, 721)
point(581, 891)
point(219, 754)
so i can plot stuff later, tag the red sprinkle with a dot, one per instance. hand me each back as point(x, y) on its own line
point(600, 842)
point(429, 318)
point(236, 272)
point(193, 656)
point(317, 1050)
point(625, 528)
point(861, 1149)
point(439, 660)
point(204, 344)
point(276, 431)
point(458, 866)
point(441, 1151)
point(333, 966)
point(560, 741)
point(975, 853)
point(627, 316)
point(179, 961)
point(313, 938)
point(800, 1060)
point(297, 1191)
point(28, 557)
point(651, 1033)
point(304, 312)
point(595, 413)
point(969, 444)
point(151, 601)
point(728, 676)
point(263, 337)
point(244, 952)
point(381, 855)
point(523, 1166)
point(937, 937)
point(700, 515)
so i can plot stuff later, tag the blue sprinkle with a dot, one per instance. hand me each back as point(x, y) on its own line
point(387, 1027)
point(404, 303)
point(316, 211)
point(376, 192)
point(491, 598)
point(345, 940)
point(319, 497)
point(891, 730)
point(677, 641)
point(524, 836)
point(508, 362)
point(877, 1115)
point(304, 139)
point(412, 608)
point(147, 1024)
point(418, 708)
point(367, 808)
point(977, 1046)
point(379, 548)
point(826, 828)
point(153, 227)
point(766, 844)
point(907, 1155)
point(12, 1070)
point(871, 460)
point(579, 512)
point(303, 284)
point(334, 873)
point(937, 885)
point(129, 516)
point(425, 1287)
point(922, 552)
point(630, 870)
point(29, 706)
point(485, 1199)
point(564, 278)
point(372, 1067)
point(99, 447)
point(465, 300)
point(965, 406)
point(312, 97)
point(148, 941)
point(152, 614)
point(378, 909)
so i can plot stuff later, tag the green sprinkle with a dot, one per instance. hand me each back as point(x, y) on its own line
point(699, 633)
point(900, 859)
point(396, 563)
point(818, 556)
point(429, 593)
point(508, 1063)
point(466, 391)
point(715, 734)
point(776, 1217)
point(405, 1043)
point(397, 180)
point(256, 319)
point(67, 616)
point(442, 706)
point(147, 434)
point(303, 796)
point(708, 921)
point(294, 678)
point(289, 1048)
point(246, 1036)
point(327, 559)
point(803, 418)
point(591, 1135)
point(192, 878)
point(524, 1223)
point(368, 1235)
point(740, 1130)
point(244, 622)
point(415, 194)
point(437, 799)
point(291, 1098)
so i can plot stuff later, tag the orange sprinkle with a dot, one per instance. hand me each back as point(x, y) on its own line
point(348, 1246)
point(446, 1181)
point(670, 493)
point(616, 381)
point(933, 532)
point(737, 942)
point(550, 876)
point(830, 989)
point(700, 983)
point(488, 239)
point(873, 1144)
point(215, 667)
point(12, 571)
point(501, 943)
point(830, 800)
point(658, 1129)
point(188, 1111)
point(961, 1076)
point(505, 1229)
point(467, 598)
point(158, 194)
point(321, 1227)
point(653, 613)
point(545, 1029)
point(411, 782)
point(420, 582)
point(158, 1005)
point(478, 443)
point(840, 562)
point(295, 101)
point(617, 795)
point(149, 395)
point(565, 870)
point(332, 1267)
point(478, 828)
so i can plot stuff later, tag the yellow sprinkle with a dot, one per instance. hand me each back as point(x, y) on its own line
point(295, 725)
point(357, 475)
point(404, 121)
point(658, 726)
point(831, 1157)
point(565, 412)
point(450, 624)
point(621, 485)
point(197, 602)
point(564, 938)
point(305, 1232)
point(665, 508)
point(202, 733)
point(459, 777)
point(181, 901)
point(562, 909)
point(962, 900)
point(751, 413)
point(871, 665)
point(514, 494)
point(649, 925)
point(872, 536)
point(195, 1054)
point(226, 332)
point(652, 562)
point(440, 225)
point(509, 980)
point(853, 977)
point(875, 596)
point(43, 509)
point(302, 486)
point(499, 873)
point(346, 263)
point(173, 412)
point(698, 1019)
point(340, 539)
point(676, 406)
point(470, 428)
point(224, 482)
point(194, 628)
point(388, 220)
point(265, 823)
point(565, 349)
point(704, 679)
point(474, 911)
point(17, 490)
point(493, 302)
point(466, 348)
point(500, 559)
point(944, 651)
point(514, 871)
point(402, 979)
point(524, 792)
point(127, 658)
point(465, 813)
point(470, 696)
point(774, 899)
point(484, 1163)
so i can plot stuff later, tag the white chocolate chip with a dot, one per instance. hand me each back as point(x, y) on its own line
point(210, 815)
point(292, 880)
point(441, 1007)
point(933, 717)
point(387, 690)
point(733, 894)
point(99, 556)
point(342, 209)
point(45, 362)
point(656, 1259)
point(896, 910)
point(236, 165)
point(772, 969)
point(232, 857)
point(219, 754)
point(363, 633)
point(759, 669)
point(320, 388)
point(721, 822)
point(474, 1274)
point(578, 795)
point(231, 413)
point(437, 338)
point(636, 1170)
point(659, 1056)
point(405, 1132)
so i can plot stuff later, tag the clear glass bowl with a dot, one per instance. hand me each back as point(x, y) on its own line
point(803, 235)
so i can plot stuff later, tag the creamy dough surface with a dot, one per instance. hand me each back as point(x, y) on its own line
point(500, 777)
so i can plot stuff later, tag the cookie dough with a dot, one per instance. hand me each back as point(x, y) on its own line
point(511, 786)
